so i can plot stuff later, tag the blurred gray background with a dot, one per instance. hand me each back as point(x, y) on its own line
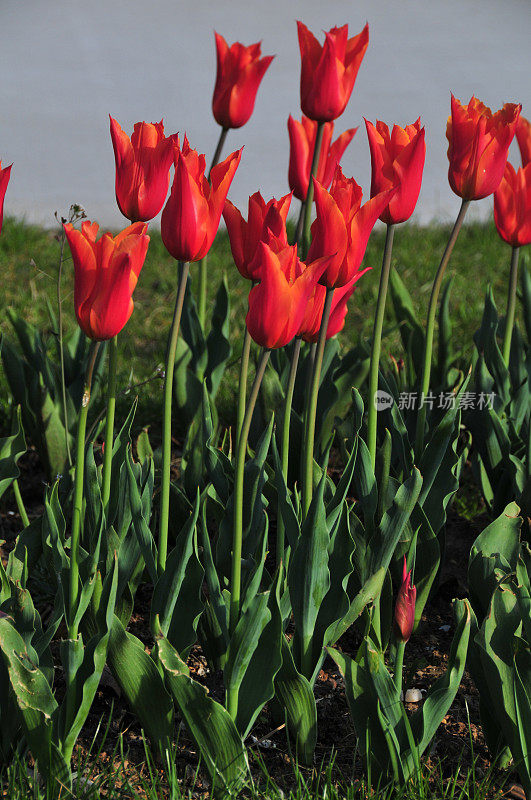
point(67, 64)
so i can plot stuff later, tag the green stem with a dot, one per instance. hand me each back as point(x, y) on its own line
point(61, 351)
point(285, 441)
point(219, 148)
point(166, 419)
point(399, 664)
point(298, 229)
point(203, 265)
point(78, 493)
point(430, 328)
point(372, 421)
point(109, 423)
point(309, 433)
point(236, 566)
point(309, 194)
point(511, 305)
point(242, 387)
point(20, 504)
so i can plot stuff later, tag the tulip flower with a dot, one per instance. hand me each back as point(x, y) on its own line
point(523, 136)
point(239, 73)
point(478, 145)
point(328, 72)
point(405, 606)
point(302, 143)
point(512, 206)
point(278, 303)
point(397, 159)
point(191, 216)
point(5, 174)
point(142, 168)
point(105, 275)
point(343, 226)
point(311, 323)
point(245, 236)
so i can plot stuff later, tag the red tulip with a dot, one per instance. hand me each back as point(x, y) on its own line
point(405, 606)
point(191, 216)
point(5, 174)
point(278, 303)
point(342, 227)
point(478, 144)
point(328, 72)
point(105, 275)
point(245, 236)
point(301, 146)
point(311, 323)
point(239, 73)
point(397, 159)
point(142, 168)
point(512, 206)
point(523, 136)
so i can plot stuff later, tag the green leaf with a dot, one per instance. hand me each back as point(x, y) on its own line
point(208, 723)
point(11, 448)
point(295, 695)
point(141, 682)
point(426, 720)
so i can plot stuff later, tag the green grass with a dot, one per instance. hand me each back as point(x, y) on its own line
point(29, 267)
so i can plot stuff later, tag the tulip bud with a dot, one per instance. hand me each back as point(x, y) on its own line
point(405, 606)
point(4, 180)
point(239, 73)
point(478, 143)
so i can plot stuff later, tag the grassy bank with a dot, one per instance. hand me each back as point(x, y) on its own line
point(29, 259)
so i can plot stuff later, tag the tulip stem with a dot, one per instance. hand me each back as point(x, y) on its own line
point(399, 664)
point(61, 350)
point(372, 420)
point(109, 425)
point(298, 229)
point(78, 493)
point(309, 194)
point(237, 534)
point(20, 504)
point(285, 441)
point(238, 494)
point(511, 305)
point(203, 270)
point(166, 419)
point(430, 328)
point(242, 388)
point(309, 433)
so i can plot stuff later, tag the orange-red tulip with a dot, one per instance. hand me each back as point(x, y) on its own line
point(512, 206)
point(105, 275)
point(328, 72)
point(405, 606)
point(239, 73)
point(278, 303)
point(342, 227)
point(478, 143)
point(397, 160)
point(301, 146)
point(5, 174)
point(191, 216)
point(245, 236)
point(142, 168)
point(523, 136)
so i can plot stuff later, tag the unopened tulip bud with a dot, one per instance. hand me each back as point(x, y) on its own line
point(405, 606)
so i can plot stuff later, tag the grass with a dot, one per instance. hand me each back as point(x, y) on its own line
point(29, 267)
point(115, 778)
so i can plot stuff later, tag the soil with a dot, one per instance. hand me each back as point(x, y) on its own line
point(111, 727)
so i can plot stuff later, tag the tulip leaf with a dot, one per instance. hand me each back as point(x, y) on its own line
point(11, 449)
point(208, 723)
